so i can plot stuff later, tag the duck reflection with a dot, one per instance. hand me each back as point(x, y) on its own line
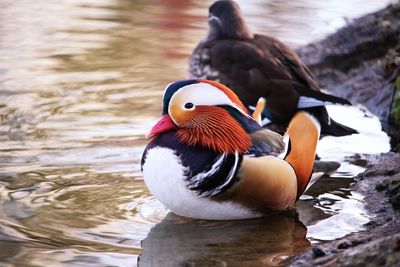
point(268, 241)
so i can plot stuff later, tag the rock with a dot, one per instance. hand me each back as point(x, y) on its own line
point(356, 243)
point(343, 245)
point(318, 252)
point(379, 244)
point(360, 60)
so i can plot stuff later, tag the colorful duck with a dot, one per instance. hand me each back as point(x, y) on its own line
point(208, 159)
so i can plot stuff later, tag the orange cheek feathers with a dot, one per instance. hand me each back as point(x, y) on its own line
point(214, 128)
point(179, 115)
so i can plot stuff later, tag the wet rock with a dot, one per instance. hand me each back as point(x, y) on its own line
point(318, 252)
point(359, 60)
point(395, 200)
point(391, 188)
point(381, 210)
point(355, 243)
point(343, 245)
point(381, 186)
point(388, 167)
point(371, 224)
point(379, 244)
point(397, 245)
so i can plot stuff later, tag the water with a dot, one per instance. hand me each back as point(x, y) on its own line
point(80, 85)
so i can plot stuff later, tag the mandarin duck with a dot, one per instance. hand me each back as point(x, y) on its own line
point(255, 66)
point(207, 158)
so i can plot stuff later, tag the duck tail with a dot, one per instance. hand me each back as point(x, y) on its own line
point(337, 129)
point(302, 137)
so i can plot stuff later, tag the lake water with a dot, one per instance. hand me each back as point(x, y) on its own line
point(81, 84)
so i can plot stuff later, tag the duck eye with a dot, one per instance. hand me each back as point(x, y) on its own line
point(189, 105)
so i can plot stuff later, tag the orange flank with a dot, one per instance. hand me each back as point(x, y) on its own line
point(303, 133)
point(266, 184)
point(232, 96)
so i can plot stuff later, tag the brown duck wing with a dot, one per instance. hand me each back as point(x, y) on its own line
point(292, 62)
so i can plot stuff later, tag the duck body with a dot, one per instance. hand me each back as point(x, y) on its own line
point(255, 66)
point(227, 168)
point(170, 172)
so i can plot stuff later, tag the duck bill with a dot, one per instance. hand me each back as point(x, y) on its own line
point(163, 125)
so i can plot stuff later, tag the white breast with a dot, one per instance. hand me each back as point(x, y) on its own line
point(163, 174)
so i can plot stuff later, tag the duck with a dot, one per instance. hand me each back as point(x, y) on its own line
point(208, 158)
point(255, 65)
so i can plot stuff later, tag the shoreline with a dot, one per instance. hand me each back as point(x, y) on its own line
point(379, 243)
point(356, 62)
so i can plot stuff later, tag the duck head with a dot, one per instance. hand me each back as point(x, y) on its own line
point(207, 114)
point(226, 21)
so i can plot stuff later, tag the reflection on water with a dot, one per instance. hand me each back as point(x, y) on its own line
point(262, 242)
point(80, 85)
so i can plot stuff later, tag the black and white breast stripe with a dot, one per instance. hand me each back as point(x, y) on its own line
point(207, 172)
point(218, 177)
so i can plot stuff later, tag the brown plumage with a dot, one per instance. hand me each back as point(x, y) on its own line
point(255, 66)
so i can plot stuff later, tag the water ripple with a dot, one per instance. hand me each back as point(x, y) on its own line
point(80, 86)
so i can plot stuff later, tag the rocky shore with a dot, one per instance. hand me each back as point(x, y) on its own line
point(361, 62)
point(379, 244)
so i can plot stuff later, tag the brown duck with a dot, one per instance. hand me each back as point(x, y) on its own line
point(255, 66)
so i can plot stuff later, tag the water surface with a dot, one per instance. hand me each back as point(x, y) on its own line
point(80, 85)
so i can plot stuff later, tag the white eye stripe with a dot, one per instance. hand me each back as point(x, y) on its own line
point(201, 94)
